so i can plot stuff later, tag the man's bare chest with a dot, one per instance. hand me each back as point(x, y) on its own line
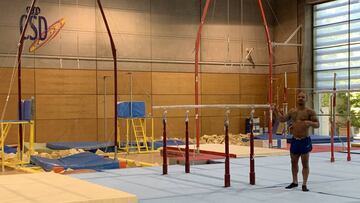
point(300, 115)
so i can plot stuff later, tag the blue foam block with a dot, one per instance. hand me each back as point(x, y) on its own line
point(123, 109)
point(85, 160)
point(9, 150)
point(27, 109)
point(135, 109)
point(138, 109)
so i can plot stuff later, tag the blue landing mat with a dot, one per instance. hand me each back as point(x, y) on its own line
point(109, 146)
point(158, 144)
point(79, 145)
point(316, 139)
point(85, 160)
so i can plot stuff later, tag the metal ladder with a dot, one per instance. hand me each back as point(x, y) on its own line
point(139, 129)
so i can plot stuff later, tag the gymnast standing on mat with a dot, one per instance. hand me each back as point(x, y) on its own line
point(300, 119)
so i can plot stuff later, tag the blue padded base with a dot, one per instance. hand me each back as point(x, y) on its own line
point(84, 160)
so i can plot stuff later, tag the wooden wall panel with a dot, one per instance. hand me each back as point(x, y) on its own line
point(215, 125)
point(173, 83)
point(66, 106)
point(175, 127)
point(109, 136)
point(141, 82)
point(12, 137)
point(66, 130)
point(220, 83)
point(220, 99)
point(69, 103)
point(163, 100)
point(11, 111)
point(60, 81)
point(253, 84)
point(27, 81)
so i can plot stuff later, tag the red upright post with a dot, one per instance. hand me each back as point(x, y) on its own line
point(187, 162)
point(165, 166)
point(348, 139)
point(333, 128)
point(227, 156)
point(333, 124)
point(252, 160)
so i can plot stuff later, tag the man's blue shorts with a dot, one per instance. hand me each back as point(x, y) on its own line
point(302, 146)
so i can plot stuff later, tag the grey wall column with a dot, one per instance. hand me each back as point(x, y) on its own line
point(306, 71)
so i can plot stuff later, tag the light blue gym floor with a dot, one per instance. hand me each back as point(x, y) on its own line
point(328, 182)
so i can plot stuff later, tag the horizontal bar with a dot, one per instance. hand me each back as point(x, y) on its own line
point(129, 60)
point(324, 91)
point(285, 44)
point(331, 91)
point(219, 106)
point(14, 121)
point(300, 88)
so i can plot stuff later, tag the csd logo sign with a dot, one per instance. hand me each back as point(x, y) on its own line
point(38, 24)
point(40, 33)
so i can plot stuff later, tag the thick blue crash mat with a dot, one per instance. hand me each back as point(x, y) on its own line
point(79, 145)
point(84, 160)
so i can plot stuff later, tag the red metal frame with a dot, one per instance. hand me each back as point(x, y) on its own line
point(20, 49)
point(269, 43)
point(197, 47)
point(113, 49)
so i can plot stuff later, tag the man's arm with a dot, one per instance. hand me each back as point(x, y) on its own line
point(281, 117)
point(314, 121)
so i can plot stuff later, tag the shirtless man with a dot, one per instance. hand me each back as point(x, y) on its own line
point(300, 118)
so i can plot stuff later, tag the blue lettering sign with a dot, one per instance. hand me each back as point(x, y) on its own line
point(37, 23)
